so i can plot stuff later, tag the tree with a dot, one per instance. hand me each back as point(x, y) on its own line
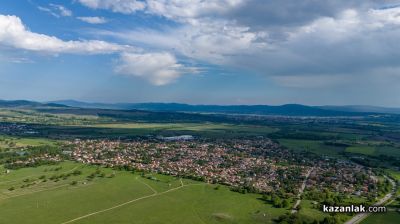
point(330, 220)
point(277, 202)
point(285, 203)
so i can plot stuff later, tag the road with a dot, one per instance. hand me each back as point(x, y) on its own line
point(359, 217)
point(301, 190)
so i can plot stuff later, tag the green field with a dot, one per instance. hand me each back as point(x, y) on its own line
point(309, 212)
point(204, 129)
point(9, 143)
point(122, 198)
point(366, 150)
point(390, 217)
point(374, 150)
point(34, 117)
point(317, 147)
point(388, 150)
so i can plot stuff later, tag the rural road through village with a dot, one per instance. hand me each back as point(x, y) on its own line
point(359, 217)
point(301, 190)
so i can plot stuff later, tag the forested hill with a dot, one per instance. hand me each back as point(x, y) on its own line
point(283, 110)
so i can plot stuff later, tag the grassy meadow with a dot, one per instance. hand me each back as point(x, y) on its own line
point(8, 142)
point(314, 146)
point(121, 198)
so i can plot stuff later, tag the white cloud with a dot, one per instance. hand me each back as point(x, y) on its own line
point(13, 33)
point(63, 11)
point(121, 6)
point(93, 20)
point(213, 41)
point(158, 68)
point(204, 34)
point(56, 10)
point(177, 9)
point(347, 40)
point(349, 24)
point(172, 9)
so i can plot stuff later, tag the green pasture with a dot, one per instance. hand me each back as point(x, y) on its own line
point(310, 213)
point(390, 217)
point(204, 129)
point(35, 117)
point(7, 142)
point(124, 198)
point(374, 150)
point(366, 150)
point(314, 146)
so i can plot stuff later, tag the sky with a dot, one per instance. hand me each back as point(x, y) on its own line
point(331, 52)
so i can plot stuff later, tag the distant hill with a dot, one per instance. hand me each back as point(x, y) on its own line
point(283, 110)
point(27, 104)
point(363, 108)
point(80, 104)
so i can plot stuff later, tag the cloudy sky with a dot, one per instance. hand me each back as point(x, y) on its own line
point(331, 52)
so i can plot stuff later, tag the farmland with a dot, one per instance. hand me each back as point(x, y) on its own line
point(236, 169)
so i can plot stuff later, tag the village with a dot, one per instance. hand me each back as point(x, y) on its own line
point(253, 165)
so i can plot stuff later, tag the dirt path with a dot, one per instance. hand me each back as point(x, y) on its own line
point(301, 190)
point(155, 193)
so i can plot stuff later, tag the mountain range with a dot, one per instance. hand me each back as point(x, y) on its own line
point(283, 110)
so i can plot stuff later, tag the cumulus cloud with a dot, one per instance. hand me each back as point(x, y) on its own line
point(56, 10)
point(207, 40)
point(284, 14)
point(158, 68)
point(13, 33)
point(93, 19)
point(121, 6)
point(353, 42)
point(294, 43)
point(307, 38)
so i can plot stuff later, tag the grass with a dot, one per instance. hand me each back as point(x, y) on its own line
point(193, 204)
point(16, 175)
point(205, 129)
point(388, 150)
point(317, 147)
point(365, 150)
point(7, 142)
point(395, 174)
point(35, 117)
point(391, 217)
point(374, 150)
point(309, 212)
point(58, 202)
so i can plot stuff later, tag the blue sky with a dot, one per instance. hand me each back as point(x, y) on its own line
point(332, 52)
